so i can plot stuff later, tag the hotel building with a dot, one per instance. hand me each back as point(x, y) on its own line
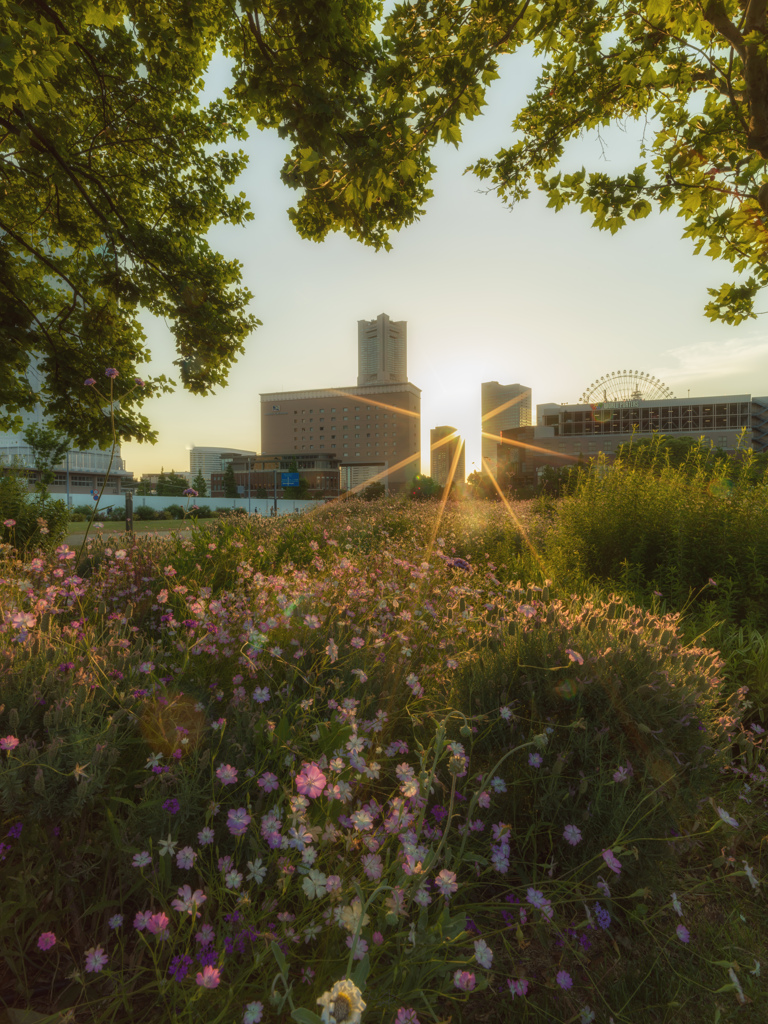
point(374, 429)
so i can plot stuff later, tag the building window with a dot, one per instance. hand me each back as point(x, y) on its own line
point(333, 446)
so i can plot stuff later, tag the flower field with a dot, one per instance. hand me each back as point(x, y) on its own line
point(369, 763)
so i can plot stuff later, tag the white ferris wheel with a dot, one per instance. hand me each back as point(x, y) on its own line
point(625, 386)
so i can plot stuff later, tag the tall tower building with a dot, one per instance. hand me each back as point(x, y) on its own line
point(443, 445)
point(503, 406)
point(382, 351)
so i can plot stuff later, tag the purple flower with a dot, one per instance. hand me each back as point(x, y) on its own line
point(46, 941)
point(464, 980)
point(111, 372)
point(574, 656)
point(89, 382)
point(95, 959)
point(603, 917)
point(138, 382)
point(179, 967)
point(682, 933)
point(518, 986)
point(564, 980)
point(534, 760)
point(190, 492)
point(238, 821)
point(172, 805)
point(15, 830)
point(611, 861)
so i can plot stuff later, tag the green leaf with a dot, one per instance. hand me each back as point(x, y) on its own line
point(279, 956)
point(360, 973)
point(658, 8)
point(304, 1016)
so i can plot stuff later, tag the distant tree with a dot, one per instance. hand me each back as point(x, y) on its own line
point(374, 491)
point(298, 493)
point(230, 484)
point(143, 488)
point(200, 486)
point(171, 484)
point(48, 449)
point(424, 487)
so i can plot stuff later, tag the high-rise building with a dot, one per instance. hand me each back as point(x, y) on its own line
point(445, 446)
point(382, 351)
point(503, 406)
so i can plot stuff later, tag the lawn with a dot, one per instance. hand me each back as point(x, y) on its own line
point(384, 762)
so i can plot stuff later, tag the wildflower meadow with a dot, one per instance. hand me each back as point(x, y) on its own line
point(383, 761)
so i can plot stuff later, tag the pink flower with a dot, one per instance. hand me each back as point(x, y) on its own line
point(464, 980)
point(518, 986)
point(157, 923)
point(142, 919)
point(310, 781)
point(446, 882)
point(226, 774)
point(564, 980)
point(682, 933)
point(268, 782)
point(8, 743)
point(95, 959)
point(111, 372)
point(574, 656)
point(209, 977)
point(46, 940)
point(611, 861)
point(89, 382)
point(188, 903)
point(9, 523)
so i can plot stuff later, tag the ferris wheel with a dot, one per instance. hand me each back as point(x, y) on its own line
point(624, 386)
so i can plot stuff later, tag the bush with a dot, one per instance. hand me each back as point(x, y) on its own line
point(144, 513)
point(175, 511)
point(35, 522)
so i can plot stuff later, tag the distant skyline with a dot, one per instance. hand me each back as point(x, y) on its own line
point(529, 296)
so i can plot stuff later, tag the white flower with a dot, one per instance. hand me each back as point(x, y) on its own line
point(483, 953)
point(676, 904)
point(750, 875)
point(314, 884)
point(343, 1003)
point(350, 915)
point(167, 846)
point(256, 871)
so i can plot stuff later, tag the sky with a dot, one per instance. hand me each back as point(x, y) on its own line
point(525, 296)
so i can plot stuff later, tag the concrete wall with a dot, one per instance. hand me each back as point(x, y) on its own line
point(262, 506)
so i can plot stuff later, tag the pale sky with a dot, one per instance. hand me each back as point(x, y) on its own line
point(525, 296)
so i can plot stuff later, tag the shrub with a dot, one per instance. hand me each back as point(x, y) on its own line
point(175, 511)
point(144, 513)
point(35, 521)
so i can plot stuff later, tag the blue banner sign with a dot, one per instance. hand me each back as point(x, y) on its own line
point(289, 479)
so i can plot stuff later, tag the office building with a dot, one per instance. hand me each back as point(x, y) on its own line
point(503, 407)
point(445, 447)
point(382, 351)
point(208, 460)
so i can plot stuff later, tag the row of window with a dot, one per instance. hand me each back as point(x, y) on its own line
point(346, 445)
